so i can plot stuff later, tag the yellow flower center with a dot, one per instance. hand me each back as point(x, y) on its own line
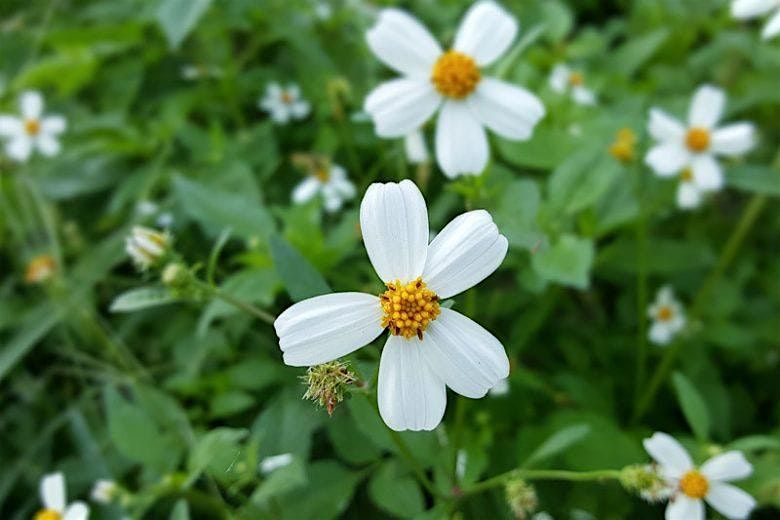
point(665, 313)
point(287, 98)
point(408, 308)
point(455, 75)
point(322, 174)
point(40, 269)
point(32, 126)
point(47, 514)
point(694, 484)
point(622, 148)
point(686, 175)
point(576, 79)
point(698, 139)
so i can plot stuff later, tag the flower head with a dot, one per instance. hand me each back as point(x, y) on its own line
point(284, 103)
point(564, 79)
point(32, 131)
point(147, 247)
point(424, 353)
point(54, 499)
point(692, 485)
point(746, 9)
point(323, 178)
point(40, 269)
point(451, 82)
point(667, 316)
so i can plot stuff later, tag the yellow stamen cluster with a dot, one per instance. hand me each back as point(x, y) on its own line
point(408, 308)
point(697, 139)
point(455, 75)
point(32, 126)
point(576, 79)
point(47, 514)
point(694, 485)
point(40, 269)
point(665, 313)
point(287, 98)
point(322, 174)
point(622, 148)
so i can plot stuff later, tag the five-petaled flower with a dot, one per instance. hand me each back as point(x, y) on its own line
point(325, 178)
point(284, 103)
point(667, 315)
point(746, 9)
point(31, 131)
point(563, 79)
point(453, 81)
point(429, 346)
point(55, 506)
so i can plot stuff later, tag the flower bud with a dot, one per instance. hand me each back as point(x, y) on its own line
point(328, 384)
point(147, 246)
point(521, 497)
point(40, 269)
point(174, 275)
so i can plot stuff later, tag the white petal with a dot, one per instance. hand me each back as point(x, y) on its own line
point(559, 78)
point(31, 104)
point(306, 190)
point(509, 111)
point(76, 511)
point(48, 145)
point(401, 105)
point(772, 27)
point(394, 223)
point(327, 327)
point(730, 501)
point(660, 333)
point(300, 109)
point(707, 172)
point(688, 195)
point(743, 9)
point(731, 465)
point(669, 453)
point(667, 159)
point(403, 43)
point(583, 96)
point(684, 508)
point(53, 124)
point(19, 148)
point(706, 107)
point(468, 358)
point(343, 186)
point(461, 143)
point(664, 127)
point(734, 139)
point(333, 199)
point(10, 126)
point(486, 32)
point(464, 253)
point(53, 492)
point(410, 395)
point(415, 148)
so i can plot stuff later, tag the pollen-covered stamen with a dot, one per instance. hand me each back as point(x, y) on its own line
point(576, 79)
point(455, 75)
point(32, 126)
point(665, 313)
point(47, 514)
point(697, 139)
point(408, 309)
point(694, 485)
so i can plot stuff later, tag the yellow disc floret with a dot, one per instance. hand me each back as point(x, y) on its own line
point(32, 126)
point(576, 79)
point(698, 139)
point(47, 514)
point(455, 75)
point(665, 313)
point(408, 308)
point(694, 485)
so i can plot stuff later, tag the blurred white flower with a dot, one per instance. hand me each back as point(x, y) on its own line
point(104, 491)
point(164, 219)
point(564, 80)
point(331, 181)
point(54, 499)
point(31, 131)
point(692, 485)
point(146, 208)
point(323, 10)
point(195, 72)
point(689, 195)
point(667, 315)
point(501, 388)
point(696, 145)
point(147, 246)
point(415, 148)
point(269, 464)
point(746, 9)
point(284, 103)
point(451, 81)
point(429, 347)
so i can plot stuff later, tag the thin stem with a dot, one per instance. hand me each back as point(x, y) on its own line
point(240, 304)
point(407, 454)
point(641, 286)
point(543, 474)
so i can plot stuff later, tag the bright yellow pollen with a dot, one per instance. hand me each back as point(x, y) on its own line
point(576, 79)
point(32, 126)
point(47, 514)
point(665, 313)
point(686, 175)
point(694, 484)
point(455, 75)
point(698, 139)
point(408, 308)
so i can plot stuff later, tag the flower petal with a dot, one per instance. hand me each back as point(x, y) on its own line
point(31, 104)
point(486, 32)
point(734, 139)
point(410, 395)
point(19, 148)
point(464, 253)
point(669, 453)
point(772, 27)
point(730, 501)
point(731, 465)
point(667, 159)
point(48, 145)
point(706, 107)
point(10, 126)
point(689, 196)
point(394, 222)
point(54, 124)
point(403, 43)
point(305, 190)
point(509, 111)
point(743, 9)
point(468, 358)
point(461, 143)
point(583, 96)
point(415, 148)
point(559, 78)
point(684, 508)
point(664, 127)
point(327, 327)
point(53, 491)
point(707, 172)
point(76, 511)
point(401, 106)
point(660, 333)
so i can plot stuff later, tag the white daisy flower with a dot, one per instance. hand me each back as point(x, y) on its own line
point(331, 181)
point(565, 80)
point(451, 81)
point(54, 499)
point(415, 148)
point(667, 315)
point(284, 103)
point(693, 484)
point(104, 491)
point(147, 246)
point(746, 9)
point(429, 346)
point(31, 131)
point(269, 464)
point(696, 144)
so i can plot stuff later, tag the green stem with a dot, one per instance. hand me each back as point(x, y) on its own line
point(543, 474)
point(407, 454)
point(641, 287)
point(215, 292)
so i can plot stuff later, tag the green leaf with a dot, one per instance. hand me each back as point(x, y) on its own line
point(693, 406)
point(757, 179)
point(300, 278)
point(218, 453)
point(280, 481)
point(558, 19)
point(582, 180)
point(34, 326)
point(557, 443)
point(546, 149)
point(756, 443)
point(326, 496)
point(180, 511)
point(630, 56)
point(567, 262)
point(515, 213)
point(141, 298)
point(662, 256)
point(257, 286)
point(395, 492)
point(178, 17)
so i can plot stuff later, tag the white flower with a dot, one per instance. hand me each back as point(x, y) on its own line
point(104, 491)
point(147, 246)
point(284, 103)
point(563, 79)
point(331, 181)
point(32, 130)
point(429, 347)
point(414, 146)
point(269, 464)
point(691, 484)
point(745, 9)
point(667, 315)
point(195, 72)
point(695, 146)
point(453, 81)
point(53, 497)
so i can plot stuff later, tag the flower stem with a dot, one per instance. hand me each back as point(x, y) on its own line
point(543, 474)
point(409, 456)
point(215, 292)
point(641, 287)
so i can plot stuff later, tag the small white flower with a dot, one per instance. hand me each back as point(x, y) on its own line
point(331, 181)
point(693, 484)
point(565, 80)
point(667, 315)
point(104, 491)
point(147, 246)
point(284, 103)
point(31, 131)
point(696, 144)
point(746, 9)
point(429, 346)
point(453, 82)
point(415, 148)
point(269, 464)
point(54, 499)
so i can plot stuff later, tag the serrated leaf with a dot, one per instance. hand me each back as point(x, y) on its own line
point(557, 443)
point(693, 406)
point(141, 298)
point(300, 278)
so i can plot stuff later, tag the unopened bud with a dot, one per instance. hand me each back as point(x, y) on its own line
point(147, 247)
point(40, 269)
point(521, 497)
point(328, 384)
point(175, 275)
point(104, 491)
point(622, 148)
